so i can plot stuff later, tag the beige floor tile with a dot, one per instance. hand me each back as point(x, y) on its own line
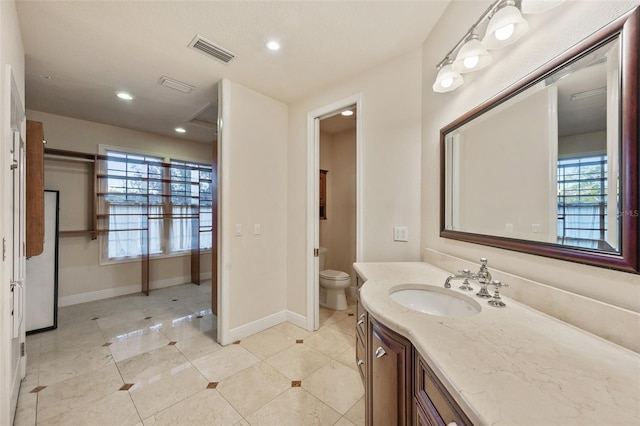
point(330, 341)
point(150, 364)
point(115, 409)
point(242, 422)
point(26, 409)
point(356, 413)
point(131, 328)
point(348, 358)
point(298, 361)
point(118, 318)
point(56, 366)
point(184, 327)
point(65, 341)
point(67, 395)
point(162, 390)
point(206, 408)
point(267, 343)
point(337, 385)
point(136, 342)
point(330, 316)
point(292, 330)
point(295, 407)
point(263, 381)
point(346, 325)
point(199, 345)
point(344, 422)
point(225, 362)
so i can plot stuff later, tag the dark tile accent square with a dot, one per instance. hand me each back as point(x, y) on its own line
point(351, 314)
point(37, 389)
point(126, 387)
point(199, 316)
point(95, 318)
point(237, 342)
point(299, 341)
point(212, 385)
point(296, 383)
point(174, 300)
point(147, 317)
point(107, 344)
point(172, 343)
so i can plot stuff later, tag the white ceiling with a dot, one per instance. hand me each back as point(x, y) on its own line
point(79, 53)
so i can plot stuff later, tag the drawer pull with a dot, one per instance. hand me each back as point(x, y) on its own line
point(360, 362)
point(361, 322)
point(362, 316)
point(452, 424)
point(380, 352)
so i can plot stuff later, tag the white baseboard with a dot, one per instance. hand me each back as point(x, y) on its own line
point(107, 293)
point(264, 323)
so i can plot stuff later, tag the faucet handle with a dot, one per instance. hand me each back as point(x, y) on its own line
point(496, 300)
point(483, 261)
point(465, 271)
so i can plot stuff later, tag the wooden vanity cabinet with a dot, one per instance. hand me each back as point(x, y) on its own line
point(389, 386)
point(34, 187)
point(400, 388)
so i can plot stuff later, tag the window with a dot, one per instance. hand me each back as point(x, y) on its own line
point(146, 201)
point(582, 201)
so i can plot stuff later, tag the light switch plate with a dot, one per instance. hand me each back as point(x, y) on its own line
point(400, 233)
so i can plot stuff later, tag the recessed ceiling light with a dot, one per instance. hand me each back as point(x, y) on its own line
point(347, 113)
point(180, 130)
point(273, 45)
point(124, 95)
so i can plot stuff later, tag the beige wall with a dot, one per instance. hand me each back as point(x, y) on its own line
point(80, 275)
point(586, 143)
point(549, 35)
point(253, 183)
point(391, 117)
point(338, 231)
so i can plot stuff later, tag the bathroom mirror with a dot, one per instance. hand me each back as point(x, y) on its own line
point(550, 165)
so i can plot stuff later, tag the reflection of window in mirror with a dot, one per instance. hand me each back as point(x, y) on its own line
point(588, 140)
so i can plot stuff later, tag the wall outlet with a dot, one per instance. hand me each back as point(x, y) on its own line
point(400, 233)
point(238, 229)
point(535, 228)
point(508, 227)
point(257, 230)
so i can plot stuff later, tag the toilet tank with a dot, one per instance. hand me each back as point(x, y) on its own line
point(322, 251)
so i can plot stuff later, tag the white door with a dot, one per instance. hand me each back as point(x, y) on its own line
point(18, 266)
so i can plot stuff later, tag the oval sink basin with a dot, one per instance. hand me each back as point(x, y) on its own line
point(435, 301)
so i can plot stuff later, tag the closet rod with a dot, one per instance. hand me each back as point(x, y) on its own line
point(70, 154)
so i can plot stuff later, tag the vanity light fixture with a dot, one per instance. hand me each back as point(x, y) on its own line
point(125, 96)
point(505, 26)
point(447, 79)
point(180, 130)
point(472, 56)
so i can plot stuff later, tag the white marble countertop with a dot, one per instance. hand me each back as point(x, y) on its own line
point(512, 365)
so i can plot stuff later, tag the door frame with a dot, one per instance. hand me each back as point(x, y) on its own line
point(313, 206)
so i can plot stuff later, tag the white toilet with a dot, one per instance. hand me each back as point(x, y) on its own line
point(333, 285)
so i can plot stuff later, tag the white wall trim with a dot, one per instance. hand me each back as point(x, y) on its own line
point(257, 326)
point(313, 164)
point(92, 296)
point(296, 319)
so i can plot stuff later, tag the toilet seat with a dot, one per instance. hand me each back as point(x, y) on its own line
point(333, 275)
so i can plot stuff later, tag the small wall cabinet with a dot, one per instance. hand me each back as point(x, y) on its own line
point(400, 388)
point(34, 187)
point(323, 194)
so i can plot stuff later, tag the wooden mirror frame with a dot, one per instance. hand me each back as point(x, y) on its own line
point(627, 28)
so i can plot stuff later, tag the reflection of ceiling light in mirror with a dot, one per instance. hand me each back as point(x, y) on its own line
point(589, 93)
point(347, 113)
point(124, 95)
point(180, 130)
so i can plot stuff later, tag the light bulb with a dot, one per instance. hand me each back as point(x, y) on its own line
point(471, 62)
point(446, 82)
point(505, 32)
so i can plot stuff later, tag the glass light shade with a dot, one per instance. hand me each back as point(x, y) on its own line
point(538, 6)
point(505, 27)
point(447, 80)
point(471, 57)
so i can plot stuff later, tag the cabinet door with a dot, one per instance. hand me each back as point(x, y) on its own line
point(389, 378)
point(34, 189)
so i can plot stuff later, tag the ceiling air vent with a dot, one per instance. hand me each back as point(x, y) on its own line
point(210, 49)
point(175, 84)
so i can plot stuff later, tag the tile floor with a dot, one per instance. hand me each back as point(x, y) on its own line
point(138, 360)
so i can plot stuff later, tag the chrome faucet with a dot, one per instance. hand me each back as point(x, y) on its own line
point(484, 278)
point(464, 274)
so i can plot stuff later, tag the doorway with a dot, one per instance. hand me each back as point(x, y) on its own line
point(314, 118)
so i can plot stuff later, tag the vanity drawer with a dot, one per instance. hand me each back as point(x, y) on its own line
point(361, 357)
point(435, 403)
point(361, 320)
